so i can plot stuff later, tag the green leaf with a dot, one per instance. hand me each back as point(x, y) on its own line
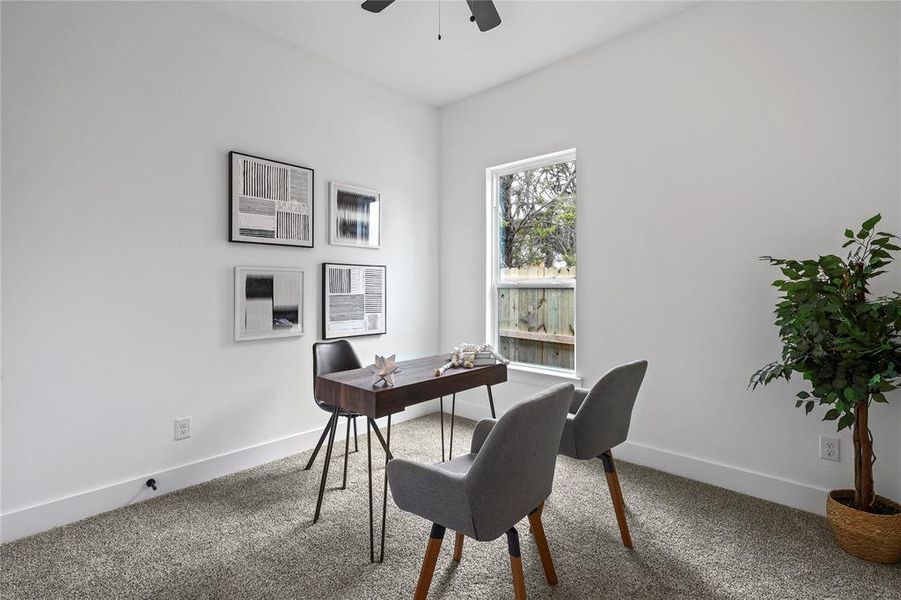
point(846, 421)
point(799, 403)
point(871, 222)
point(831, 415)
point(849, 234)
point(849, 394)
point(803, 395)
point(808, 407)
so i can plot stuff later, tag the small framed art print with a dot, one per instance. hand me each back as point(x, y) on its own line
point(355, 216)
point(268, 302)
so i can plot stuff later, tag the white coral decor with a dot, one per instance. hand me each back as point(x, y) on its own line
point(464, 355)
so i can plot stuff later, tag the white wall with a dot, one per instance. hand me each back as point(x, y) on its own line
point(117, 276)
point(728, 132)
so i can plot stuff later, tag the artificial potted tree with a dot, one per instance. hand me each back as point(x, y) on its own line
point(847, 345)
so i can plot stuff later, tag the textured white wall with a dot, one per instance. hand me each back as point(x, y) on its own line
point(728, 132)
point(117, 276)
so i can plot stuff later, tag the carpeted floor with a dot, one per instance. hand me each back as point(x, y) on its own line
point(249, 535)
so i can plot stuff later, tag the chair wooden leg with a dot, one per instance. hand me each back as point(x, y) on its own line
point(616, 494)
point(458, 547)
point(541, 541)
point(428, 563)
point(519, 582)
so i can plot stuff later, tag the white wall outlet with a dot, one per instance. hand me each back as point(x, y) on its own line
point(183, 428)
point(830, 448)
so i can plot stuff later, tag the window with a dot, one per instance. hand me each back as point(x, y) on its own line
point(532, 263)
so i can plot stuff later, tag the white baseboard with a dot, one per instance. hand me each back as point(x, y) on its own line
point(29, 520)
point(767, 487)
point(33, 519)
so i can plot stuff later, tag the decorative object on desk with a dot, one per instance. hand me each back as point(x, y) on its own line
point(353, 300)
point(268, 302)
point(467, 356)
point(384, 370)
point(271, 202)
point(848, 346)
point(355, 216)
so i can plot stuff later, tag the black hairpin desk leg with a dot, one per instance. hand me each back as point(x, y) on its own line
point(346, 452)
point(378, 435)
point(441, 411)
point(328, 459)
point(450, 453)
point(371, 528)
point(491, 402)
point(385, 490)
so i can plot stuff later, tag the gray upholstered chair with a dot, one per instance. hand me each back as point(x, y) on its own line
point(599, 420)
point(506, 476)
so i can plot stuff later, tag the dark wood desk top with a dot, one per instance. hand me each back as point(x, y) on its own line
point(415, 383)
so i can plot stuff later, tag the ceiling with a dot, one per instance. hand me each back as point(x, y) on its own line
point(399, 47)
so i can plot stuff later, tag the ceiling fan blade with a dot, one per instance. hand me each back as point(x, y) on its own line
point(484, 13)
point(376, 6)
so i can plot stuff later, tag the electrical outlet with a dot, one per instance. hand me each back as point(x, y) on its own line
point(183, 428)
point(830, 448)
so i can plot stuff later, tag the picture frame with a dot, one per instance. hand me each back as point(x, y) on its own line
point(354, 300)
point(268, 303)
point(355, 216)
point(270, 202)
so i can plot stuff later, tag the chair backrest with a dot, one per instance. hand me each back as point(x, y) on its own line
point(331, 357)
point(603, 420)
point(514, 470)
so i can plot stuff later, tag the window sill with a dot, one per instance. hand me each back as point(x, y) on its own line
point(541, 376)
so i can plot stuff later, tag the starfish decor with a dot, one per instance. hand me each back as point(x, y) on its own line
point(384, 370)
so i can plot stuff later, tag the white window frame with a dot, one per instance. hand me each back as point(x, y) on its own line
point(492, 174)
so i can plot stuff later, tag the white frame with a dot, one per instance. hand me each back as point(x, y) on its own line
point(491, 240)
point(241, 274)
point(334, 186)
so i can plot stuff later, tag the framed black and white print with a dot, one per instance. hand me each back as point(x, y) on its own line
point(271, 202)
point(268, 302)
point(353, 300)
point(354, 216)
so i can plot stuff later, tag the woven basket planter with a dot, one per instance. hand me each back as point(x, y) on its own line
point(876, 538)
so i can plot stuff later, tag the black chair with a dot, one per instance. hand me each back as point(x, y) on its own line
point(332, 357)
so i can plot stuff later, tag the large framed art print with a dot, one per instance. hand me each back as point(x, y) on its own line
point(353, 300)
point(271, 202)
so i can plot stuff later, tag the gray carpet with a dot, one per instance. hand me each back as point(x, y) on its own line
point(249, 535)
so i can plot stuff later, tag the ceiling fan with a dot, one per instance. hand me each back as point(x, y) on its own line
point(483, 11)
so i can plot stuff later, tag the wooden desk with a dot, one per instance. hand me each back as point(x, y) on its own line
point(415, 383)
